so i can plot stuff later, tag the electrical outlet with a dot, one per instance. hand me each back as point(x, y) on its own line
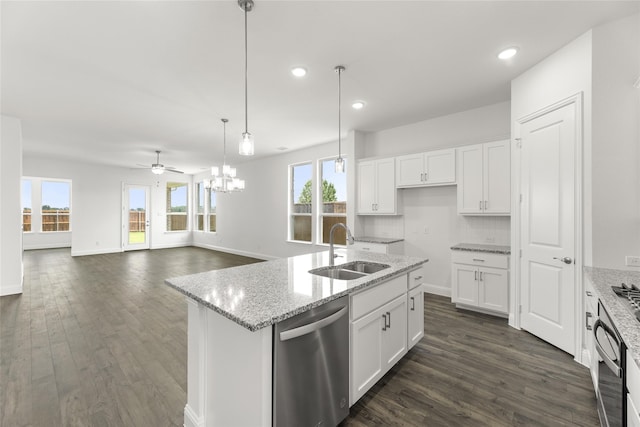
point(490, 240)
point(426, 230)
point(632, 261)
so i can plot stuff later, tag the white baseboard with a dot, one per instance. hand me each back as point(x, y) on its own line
point(191, 419)
point(11, 290)
point(96, 251)
point(172, 245)
point(46, 246)
point(235, 251)
point(437, 290)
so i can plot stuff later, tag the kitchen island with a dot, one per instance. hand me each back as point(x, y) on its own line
point(231, 313)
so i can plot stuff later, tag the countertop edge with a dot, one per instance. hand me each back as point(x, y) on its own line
point(479, 247)
point(275, 319)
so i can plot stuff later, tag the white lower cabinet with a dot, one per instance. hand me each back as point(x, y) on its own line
point(633, 396)
point(386, 320)
point(480, 280)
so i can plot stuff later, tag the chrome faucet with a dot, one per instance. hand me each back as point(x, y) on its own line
point(349, 241)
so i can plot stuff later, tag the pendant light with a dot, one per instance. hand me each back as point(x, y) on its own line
point(339, 161)
point(246, 141)
point(224, 181)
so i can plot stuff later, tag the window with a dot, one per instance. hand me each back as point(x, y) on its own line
point(177, 206)
point(212, 211)
point(301, 202)
point(26, 205)
point(200, 206)
point(333, 187)
point(56, 202)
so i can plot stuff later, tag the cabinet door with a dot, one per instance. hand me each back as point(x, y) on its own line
point(385, 186)
point(366, 352)
point(440, 167)
point(415, 313)
point(497, 177)
point(366, 187)
point(394, 338)
point(410, 170)
point(464, 284)
point(470, 196)
point(493, 289)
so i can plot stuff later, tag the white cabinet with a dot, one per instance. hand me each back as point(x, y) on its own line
point(376, 187)
point(590, 313)
point(386, 320)
point(632, 373)
point(484, 179)
point(480, 281)
point(423, 169)
point(382, 248)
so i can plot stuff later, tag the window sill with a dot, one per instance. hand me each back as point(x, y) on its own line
point(302, 242)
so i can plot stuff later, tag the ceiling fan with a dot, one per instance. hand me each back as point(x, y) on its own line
point(158, 168)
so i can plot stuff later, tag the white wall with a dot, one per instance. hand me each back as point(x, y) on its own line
point(429, 222)
point(96, 217)
point(255, 222)
point(616, 142)
point(10, 206)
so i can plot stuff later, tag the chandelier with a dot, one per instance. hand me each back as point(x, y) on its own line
point(224, 180)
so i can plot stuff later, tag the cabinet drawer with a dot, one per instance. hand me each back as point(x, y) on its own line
point(416, 277)
point(370, 247)
point(633, 380)
point(372, 298)
point(480, 259)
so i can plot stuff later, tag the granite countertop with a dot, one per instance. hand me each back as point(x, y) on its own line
point(478, 247)
point(625, 322)
point(259, 295)
point(382, 240)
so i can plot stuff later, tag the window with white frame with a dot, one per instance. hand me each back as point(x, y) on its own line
point(212, 211)
point(26, 206)
point(332, 187)
point(177, 206)
point(56, 206)
point(200, 204)
point(300, 202)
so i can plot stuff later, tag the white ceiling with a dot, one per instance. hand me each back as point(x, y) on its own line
point(110, 82)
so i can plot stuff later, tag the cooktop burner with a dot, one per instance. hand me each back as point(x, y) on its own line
point(632, 294)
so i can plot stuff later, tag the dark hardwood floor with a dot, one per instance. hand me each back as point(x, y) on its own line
point(101, 341)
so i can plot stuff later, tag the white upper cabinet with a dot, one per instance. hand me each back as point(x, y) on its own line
point(484, 179)
point(424, 169)
point(377, 194)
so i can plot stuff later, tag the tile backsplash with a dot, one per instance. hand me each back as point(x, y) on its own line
point(484, 229)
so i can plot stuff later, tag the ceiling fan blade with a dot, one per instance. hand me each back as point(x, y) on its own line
point(173, 170)
point(143, 166)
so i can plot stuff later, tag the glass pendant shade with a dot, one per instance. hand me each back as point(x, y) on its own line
point(157, 170)
point(246, 144)
point(339, 165)
point(214, 171)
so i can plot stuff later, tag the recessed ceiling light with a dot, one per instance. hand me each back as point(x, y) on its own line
point(299, 71)
point(358, 105)
point(508, 53)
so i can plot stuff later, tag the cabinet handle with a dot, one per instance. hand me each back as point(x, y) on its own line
point(422, 177)
point(485, 205)
point(480, 205)
point(373, 207)
point(478, 260)
point(389, 317)
point(587, 325)
point(481, 276)
point(476, 275)
point(417, 278)
point(365, 249)
point(384, 324)
point(413, 304)
point(589, 293)
point(426, 176)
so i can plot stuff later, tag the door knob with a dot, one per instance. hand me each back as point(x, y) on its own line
point(566, 259)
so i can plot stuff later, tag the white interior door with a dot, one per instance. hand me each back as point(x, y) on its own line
point(547, 229)
point(135, 218)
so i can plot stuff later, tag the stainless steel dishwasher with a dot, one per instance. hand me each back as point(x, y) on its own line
point(311, 367)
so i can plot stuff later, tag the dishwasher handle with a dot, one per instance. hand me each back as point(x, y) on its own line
point(312, 327)
point(611, 364)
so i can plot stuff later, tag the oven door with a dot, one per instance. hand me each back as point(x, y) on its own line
point(611, 398)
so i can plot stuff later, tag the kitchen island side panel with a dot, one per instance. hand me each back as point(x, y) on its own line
point(229, 371)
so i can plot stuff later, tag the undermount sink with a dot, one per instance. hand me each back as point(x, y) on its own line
point(349, 271)
point(337, 273)
point(364, 267)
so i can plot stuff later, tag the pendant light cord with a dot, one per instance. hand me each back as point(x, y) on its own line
point(339, 112)
point(224, 141)
point(246, 67)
